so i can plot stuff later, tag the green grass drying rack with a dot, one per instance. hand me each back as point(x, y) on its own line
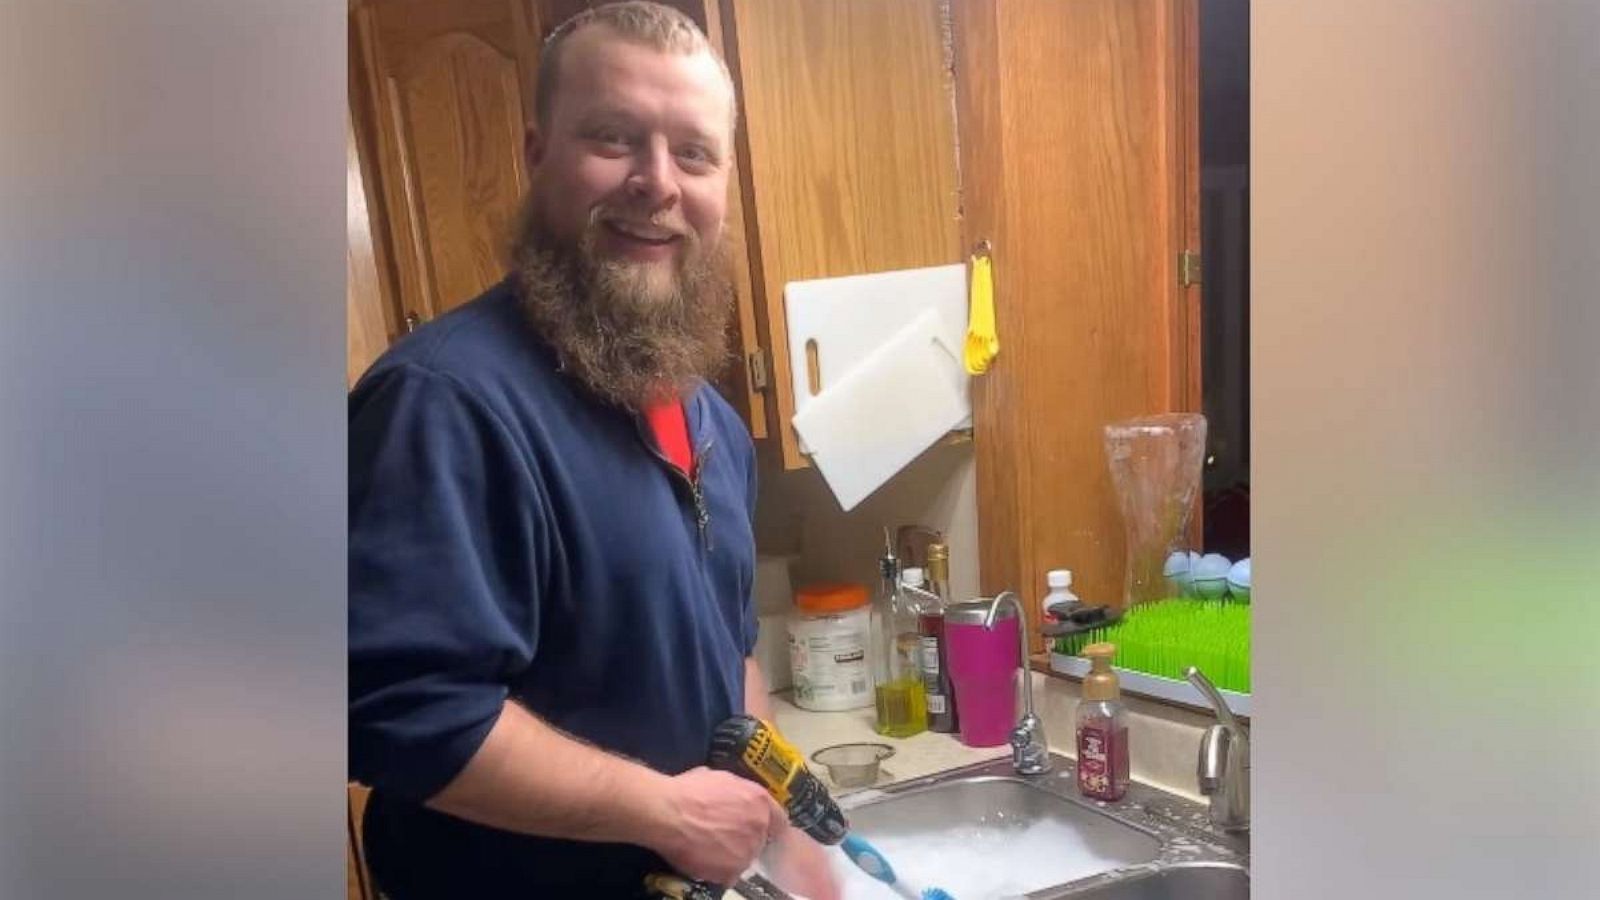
point(1158, 641)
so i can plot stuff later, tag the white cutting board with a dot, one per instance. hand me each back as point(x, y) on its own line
point(852, 316)
point(894, 404)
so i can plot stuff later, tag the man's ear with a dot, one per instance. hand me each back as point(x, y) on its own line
point(533, 146)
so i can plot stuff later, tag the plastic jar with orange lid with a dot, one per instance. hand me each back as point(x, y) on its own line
point(830, 637)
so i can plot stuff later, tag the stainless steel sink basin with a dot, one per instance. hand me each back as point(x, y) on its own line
point(965, 831)
point(969, 827)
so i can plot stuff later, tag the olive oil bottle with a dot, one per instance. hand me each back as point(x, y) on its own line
point(897, 673)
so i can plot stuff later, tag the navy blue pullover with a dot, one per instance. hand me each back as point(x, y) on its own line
point(513, 536)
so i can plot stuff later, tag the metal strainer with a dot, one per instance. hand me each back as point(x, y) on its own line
point(852, 765)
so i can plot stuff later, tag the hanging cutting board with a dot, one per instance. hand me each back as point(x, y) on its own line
point(850, 317)
point(894, 404)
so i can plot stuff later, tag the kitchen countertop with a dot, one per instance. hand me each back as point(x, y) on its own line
point(915, 756)
point(1165, 741)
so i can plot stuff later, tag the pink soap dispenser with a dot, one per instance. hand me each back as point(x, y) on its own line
point(1102, 729)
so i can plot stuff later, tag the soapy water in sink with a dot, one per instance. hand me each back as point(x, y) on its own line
point(979, 862)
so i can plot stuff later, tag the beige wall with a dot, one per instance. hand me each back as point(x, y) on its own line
point(797, 515)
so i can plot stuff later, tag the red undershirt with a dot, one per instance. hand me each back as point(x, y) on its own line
point(671, 431)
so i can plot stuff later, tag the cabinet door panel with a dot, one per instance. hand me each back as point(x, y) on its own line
point(1078, 154)
point(460, 111)
point(449, 90)
point(369, 320)
point(848, 150)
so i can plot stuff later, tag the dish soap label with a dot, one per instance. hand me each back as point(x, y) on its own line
point(1102, 755)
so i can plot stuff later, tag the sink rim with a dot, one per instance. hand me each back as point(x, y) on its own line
point(1088, 886)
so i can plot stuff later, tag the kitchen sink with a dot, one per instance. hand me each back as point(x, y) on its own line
point(983, 832)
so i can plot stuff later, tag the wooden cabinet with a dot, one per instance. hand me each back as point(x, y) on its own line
point(1079, 159)
point(848, 148)
point(442, 95)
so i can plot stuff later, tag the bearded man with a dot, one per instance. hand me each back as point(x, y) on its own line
point(551, 550)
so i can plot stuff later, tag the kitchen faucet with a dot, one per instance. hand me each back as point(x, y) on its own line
point(1030, 754)
point(1224, 765)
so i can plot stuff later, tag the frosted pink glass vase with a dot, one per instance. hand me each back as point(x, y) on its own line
point(1155, 469)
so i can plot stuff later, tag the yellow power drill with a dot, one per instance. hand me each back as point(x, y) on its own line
point(753, 749)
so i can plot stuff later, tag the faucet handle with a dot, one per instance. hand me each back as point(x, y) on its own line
point(1224, 765)
point(1212, 766)
point(1030, 755)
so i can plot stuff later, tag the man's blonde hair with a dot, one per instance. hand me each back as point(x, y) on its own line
point(652, 24)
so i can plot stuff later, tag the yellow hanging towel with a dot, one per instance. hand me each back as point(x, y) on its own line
point(982, 343)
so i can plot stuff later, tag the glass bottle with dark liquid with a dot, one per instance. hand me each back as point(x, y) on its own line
point(941, 698)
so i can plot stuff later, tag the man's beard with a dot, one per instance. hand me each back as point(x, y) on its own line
point(636, 334)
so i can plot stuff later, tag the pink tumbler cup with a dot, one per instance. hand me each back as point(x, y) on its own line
point(983, 667)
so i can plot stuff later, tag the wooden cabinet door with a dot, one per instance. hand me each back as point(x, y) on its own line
point(847, 151)
point(370, 320)
point(448, 91)
point(1079, 160)
point(745, 382)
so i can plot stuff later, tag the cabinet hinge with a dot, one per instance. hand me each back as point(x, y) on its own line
point(1189, 267)
point(757, 361)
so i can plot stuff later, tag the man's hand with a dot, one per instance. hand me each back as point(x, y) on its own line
point(714, 825)
point(796, 862)
point(800, 866)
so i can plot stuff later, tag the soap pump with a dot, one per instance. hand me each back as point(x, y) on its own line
point(1102, 729)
